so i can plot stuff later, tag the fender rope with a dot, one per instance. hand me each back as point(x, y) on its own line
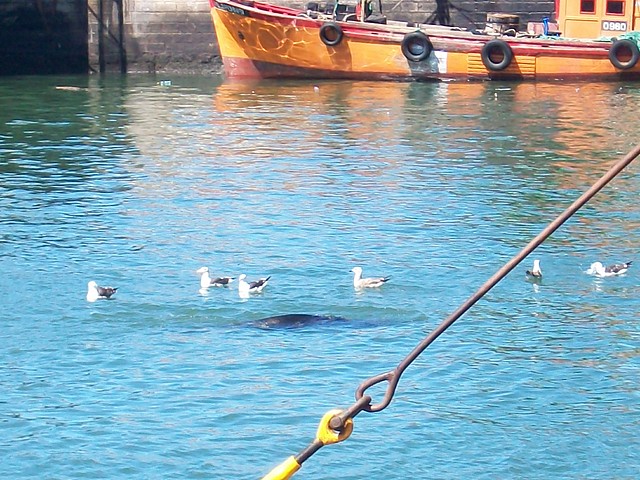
point(341, 421)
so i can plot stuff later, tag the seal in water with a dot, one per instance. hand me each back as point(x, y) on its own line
point(295, 320)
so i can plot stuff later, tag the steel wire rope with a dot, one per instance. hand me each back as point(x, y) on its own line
point(336, 425)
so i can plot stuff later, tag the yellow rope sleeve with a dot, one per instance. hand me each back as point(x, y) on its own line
point(283, 471)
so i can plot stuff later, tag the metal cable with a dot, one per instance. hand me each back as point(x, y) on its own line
point(342, 420)
point(393, 376)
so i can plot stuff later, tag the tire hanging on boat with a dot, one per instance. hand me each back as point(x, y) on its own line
point(624, 54)
point(331, 34)
point(416, 46)
point(496, 55)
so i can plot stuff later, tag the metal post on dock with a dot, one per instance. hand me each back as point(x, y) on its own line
point(121, 50)
point(101, 60)
point(107, 39)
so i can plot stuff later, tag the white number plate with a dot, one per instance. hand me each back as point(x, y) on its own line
point(612, 26)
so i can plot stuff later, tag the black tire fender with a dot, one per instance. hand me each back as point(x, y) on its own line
point(624, 48)
point(416, 46)
point(496, 48)
point(331, 34)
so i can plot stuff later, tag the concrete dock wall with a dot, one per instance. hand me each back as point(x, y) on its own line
point(159, 35)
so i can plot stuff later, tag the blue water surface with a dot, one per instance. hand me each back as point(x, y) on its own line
point(138, 181)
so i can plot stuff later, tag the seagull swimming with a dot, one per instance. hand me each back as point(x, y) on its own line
point(245, 287)
point(94, 292)
point(536, 272)
point(206, 281)
point(359, 282)
point(599, 270)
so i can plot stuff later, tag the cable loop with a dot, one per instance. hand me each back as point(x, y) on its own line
point(390, 377)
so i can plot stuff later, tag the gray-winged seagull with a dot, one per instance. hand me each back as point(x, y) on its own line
point(599, 270)
point(95, 292)
point(359, 282)
point(245, 287)
point(206, 281)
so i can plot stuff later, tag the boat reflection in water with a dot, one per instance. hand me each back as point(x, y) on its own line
point(529, 115)
point(460, 125)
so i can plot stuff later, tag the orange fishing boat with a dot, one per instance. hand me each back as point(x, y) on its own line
point(353, 39)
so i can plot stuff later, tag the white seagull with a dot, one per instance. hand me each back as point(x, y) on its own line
point(359, 282)
point(206, 281)
point(94, 292)
point(245, 287)
point(599, 270)
point(536, 272)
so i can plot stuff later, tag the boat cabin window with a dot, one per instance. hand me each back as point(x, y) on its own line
point(587, 6)
point(374, 8)
point(615, 7)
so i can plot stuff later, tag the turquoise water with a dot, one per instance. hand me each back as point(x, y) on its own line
point(137, 182)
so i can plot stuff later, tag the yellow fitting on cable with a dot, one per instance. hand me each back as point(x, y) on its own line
point(283, 471)
point(327, 435)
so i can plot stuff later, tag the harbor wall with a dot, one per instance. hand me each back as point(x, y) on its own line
point(158, 36)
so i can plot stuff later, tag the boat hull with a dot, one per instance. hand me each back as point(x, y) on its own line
point(264, 41)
